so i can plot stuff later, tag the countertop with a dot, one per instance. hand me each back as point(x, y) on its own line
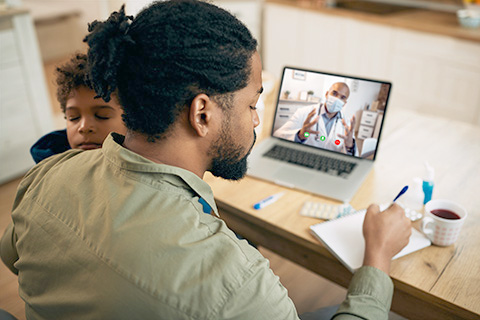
point(9, 12)
point(434, 22)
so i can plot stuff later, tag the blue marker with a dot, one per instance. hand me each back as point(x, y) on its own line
point(400, 193)
point(265, 202)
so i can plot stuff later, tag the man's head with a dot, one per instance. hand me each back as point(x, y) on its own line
point(336, 97)
point(89, 120)
point(175, 57)
point(171, 52)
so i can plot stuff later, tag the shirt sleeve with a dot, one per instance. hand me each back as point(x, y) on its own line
point(352, 150)
point(369, 296)
point(290, 128)
point(297, 139)
point(8, 251)
point(262, 296)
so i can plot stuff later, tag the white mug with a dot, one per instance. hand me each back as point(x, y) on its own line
point(442, 231)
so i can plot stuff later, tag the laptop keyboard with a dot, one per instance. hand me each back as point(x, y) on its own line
point(328, 165)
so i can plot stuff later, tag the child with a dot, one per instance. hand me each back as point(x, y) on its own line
point(89, 120)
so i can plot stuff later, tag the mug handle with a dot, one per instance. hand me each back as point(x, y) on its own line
point(427, 231)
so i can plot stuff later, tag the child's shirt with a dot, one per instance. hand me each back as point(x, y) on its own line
point(50, 144)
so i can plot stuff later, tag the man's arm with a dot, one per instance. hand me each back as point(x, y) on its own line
point(370, 292)
point(371, 289)
point(8, 243)
point(300, 122)
point(351, 151)
point(348, 135)
point(369, 296)
point(297, 139)
point(8, 251)
point(262, 296)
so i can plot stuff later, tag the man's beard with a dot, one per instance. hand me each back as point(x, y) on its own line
point(228, 162)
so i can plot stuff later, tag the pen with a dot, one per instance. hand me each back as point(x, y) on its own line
point(400, 193)
point(267, 201)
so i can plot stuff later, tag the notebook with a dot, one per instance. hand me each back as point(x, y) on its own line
point(343, 237)
point(319, 161)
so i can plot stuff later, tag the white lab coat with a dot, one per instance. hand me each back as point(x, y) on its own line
point(295, 123)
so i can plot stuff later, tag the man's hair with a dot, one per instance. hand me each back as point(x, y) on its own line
point(70, 76)
point(171, 52)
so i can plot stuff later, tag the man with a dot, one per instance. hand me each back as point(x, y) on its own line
point(323, 126)
point(131, 231)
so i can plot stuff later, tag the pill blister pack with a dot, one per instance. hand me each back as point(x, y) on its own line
point(325, 211)
point(411, 214)
point(330, 211)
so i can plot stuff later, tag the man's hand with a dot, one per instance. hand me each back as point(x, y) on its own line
point(307, 124)
point(386, 233)
point(348, 136)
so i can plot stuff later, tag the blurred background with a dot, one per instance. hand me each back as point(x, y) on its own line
point(422, 47)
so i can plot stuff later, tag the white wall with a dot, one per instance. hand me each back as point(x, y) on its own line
point(61, 25)
point(313, 82)
point(430, 73)
point(362, 93)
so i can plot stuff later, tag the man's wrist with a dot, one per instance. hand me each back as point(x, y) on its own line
point(300, 136)
point(352, 144)
point(377, 261)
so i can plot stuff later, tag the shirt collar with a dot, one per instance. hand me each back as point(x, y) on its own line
point(120, 156)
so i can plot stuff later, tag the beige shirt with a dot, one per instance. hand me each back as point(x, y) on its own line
point(108, 234)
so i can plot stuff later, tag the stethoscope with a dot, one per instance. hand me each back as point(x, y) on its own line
point(317, 137)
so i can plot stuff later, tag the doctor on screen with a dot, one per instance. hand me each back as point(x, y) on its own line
point(323, 126)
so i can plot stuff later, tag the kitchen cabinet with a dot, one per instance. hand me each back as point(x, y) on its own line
point(314, 40)
point(25, 112)
point(438, 75)
point(431, 73)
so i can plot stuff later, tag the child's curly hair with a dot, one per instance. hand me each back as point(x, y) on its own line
point(70, 76)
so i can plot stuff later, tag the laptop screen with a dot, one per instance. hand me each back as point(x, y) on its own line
point(332, 112)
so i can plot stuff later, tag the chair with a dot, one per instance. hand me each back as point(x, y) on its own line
point(368, 147)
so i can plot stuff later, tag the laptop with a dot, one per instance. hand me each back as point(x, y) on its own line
point(321, 158)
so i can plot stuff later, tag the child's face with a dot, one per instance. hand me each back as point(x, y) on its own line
point(89, 120)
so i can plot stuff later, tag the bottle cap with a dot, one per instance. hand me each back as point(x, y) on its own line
point(413, 198)
point(430, 172)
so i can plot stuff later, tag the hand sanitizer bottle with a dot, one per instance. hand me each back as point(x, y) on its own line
point(412, 200)
point(427, 185)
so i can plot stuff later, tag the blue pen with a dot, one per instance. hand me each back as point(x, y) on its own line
point(400, 193)
point(265, 202)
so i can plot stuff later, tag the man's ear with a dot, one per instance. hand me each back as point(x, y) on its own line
point(201, 114)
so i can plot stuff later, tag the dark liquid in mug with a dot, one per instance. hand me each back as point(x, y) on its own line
point(445, 214)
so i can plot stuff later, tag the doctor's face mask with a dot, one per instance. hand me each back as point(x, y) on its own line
point(334, 104)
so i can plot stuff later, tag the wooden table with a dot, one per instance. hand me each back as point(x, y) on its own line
point(434, 283)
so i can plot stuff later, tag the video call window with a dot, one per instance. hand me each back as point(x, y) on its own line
point(325, 105)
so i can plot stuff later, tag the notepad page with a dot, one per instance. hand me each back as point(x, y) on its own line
point(343, 237)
